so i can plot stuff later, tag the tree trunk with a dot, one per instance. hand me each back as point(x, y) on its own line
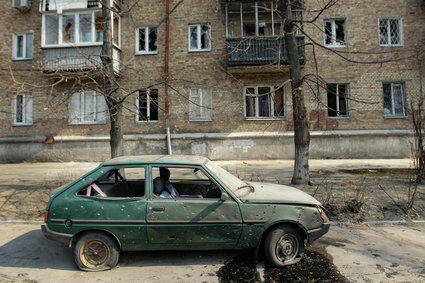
point(109, 89)
point(301, 173)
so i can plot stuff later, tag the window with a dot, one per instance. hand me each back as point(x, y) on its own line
point(146, 40)
point(87, 108)
point(23, 46)
point(393, 100)
point(83, 28)
point(335, 33)
point(147, 105)
point(183, 183)
point(390, 32)
point(199, 38)
point(200, 104)
point(128, 182)
point(264, 101)
point(22, 110)
point(338, 100)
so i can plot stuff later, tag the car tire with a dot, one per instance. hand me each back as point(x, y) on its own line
point(284, 246)
point(96, 252)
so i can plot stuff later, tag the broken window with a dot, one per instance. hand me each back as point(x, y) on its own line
point(338, 100)
point(185, 182)
point(146, 40)
point(264, 101)
point(390, 32)
point(335, 33)
point(87, 108)
point(393, 99)
point(22, 110)
point(147, 105)
point(199, 38)
point(23, 46)
point(200, 104)
point(77, 28)
point(127, 182)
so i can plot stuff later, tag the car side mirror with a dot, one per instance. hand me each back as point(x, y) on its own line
point(224, 196)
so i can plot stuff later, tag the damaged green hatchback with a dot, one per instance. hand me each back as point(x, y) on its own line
point(139, 203)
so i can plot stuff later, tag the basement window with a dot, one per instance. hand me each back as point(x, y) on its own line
point(335, 33)
point(147, 105)
point(199, 38)
point(338, 100)
point(87, 108)
point(146, 40)
point(22, 110)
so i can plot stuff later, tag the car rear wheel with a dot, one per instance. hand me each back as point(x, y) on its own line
point(96, 252)
point(284, 246)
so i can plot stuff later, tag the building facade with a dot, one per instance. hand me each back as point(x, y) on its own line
point(218, 78)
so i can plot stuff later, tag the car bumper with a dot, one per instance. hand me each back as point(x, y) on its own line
point(319, 232)
point(55, 236)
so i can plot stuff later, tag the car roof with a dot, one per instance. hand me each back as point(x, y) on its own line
point(157, 159)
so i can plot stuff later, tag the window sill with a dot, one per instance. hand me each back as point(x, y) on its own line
point(265, 118)
point(338, 117)
point(388, 45)
point(147, 53)
point(22, 124)
point(86, 123)
point(147, 122)
point(200, 50)
point(335, 46)
point(22, 59)
point(190, 120)
point(396, 117)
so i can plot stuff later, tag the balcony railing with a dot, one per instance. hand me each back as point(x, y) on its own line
point(71, 59)
point(254, 51)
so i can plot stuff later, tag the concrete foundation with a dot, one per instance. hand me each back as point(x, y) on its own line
point(216, 146)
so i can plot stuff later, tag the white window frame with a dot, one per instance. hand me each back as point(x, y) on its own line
point(146, 47)
point(99, 113)
point(22, 3)
point(76, 30)
point(148, 108)
point(205, 110)
point(334, 42)
point(25, 39)
point(337, 110)
point(271, 102)
point(198, 34)
point(400, 27)
point(26, 110)
point(393, 114)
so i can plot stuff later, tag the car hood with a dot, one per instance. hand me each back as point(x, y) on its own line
point(273, 193)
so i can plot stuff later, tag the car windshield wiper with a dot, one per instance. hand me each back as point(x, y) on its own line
point(246, 186)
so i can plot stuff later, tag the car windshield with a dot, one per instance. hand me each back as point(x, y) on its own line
point(238, 187)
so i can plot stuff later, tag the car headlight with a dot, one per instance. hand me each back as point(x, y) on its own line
point(325, 218)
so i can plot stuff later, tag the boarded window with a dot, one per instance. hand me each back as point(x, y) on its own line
point(87, 108)
point(200, 104)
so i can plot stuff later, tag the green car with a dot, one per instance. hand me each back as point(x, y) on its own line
point(139, 203)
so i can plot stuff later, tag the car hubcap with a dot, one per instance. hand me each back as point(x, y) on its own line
point(287, 248)
point(94, 254)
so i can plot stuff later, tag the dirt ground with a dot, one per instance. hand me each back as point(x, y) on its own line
point(349, 194)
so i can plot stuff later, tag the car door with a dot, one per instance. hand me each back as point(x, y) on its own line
point(193, 220)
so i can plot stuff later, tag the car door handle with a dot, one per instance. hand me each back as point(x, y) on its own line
point(157, 208)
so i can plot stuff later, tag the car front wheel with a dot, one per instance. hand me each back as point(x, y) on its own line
point(284, 246)
point(96, 252)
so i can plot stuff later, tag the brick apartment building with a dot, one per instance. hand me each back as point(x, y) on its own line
point(228, 86)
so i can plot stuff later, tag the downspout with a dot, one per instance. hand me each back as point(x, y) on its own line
point(166, 75)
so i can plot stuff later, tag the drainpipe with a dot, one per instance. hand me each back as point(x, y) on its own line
point(166, 75)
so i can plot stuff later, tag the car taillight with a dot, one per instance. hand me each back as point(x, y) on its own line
point(46, 216)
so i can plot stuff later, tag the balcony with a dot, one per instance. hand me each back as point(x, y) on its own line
point(256, 51)
point(74, 59)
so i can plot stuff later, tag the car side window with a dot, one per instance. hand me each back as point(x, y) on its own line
point(125, 182)
point(183, 182)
